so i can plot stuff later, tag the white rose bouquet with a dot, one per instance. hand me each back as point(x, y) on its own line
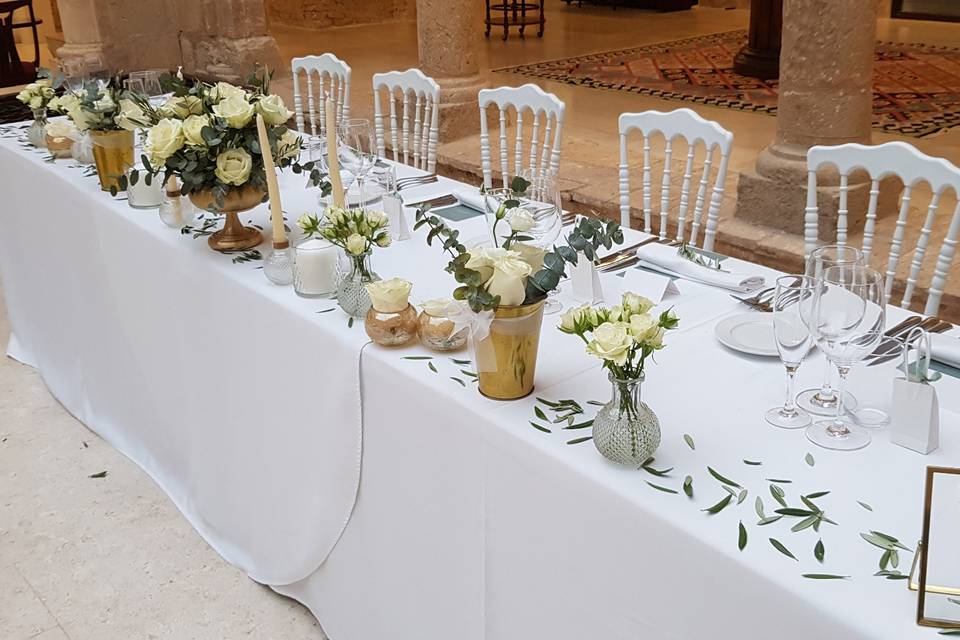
point(206, 136)
point(622, 336)
point(356, 231)
point(515, 273)
point(37, 95)
point(104, 107)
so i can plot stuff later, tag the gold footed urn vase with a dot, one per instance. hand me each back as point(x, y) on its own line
point(113, 155)
point(507, 358)
point(234, 236)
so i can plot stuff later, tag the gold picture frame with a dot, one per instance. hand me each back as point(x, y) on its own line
point(920, 559)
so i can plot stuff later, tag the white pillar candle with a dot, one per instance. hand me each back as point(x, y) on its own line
point(315, 269)
point(143, 195)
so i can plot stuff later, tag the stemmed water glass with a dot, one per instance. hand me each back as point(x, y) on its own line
point(793, 305)
point(823, 401)
point(542, 200)
point(847, 323)
point(354, 152)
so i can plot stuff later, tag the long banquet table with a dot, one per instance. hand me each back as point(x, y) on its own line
point(395, 501)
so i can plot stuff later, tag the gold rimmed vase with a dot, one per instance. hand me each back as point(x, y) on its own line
point(507, 358)
point(234, 236)
point(113, 155)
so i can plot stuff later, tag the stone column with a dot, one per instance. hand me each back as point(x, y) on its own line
point(449, 35)
point(115, 31)
point(226, 39)
point(826, 71)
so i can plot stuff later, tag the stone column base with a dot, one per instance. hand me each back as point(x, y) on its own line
point(459, 107)
point(86, 52)
point(229, 59)
point(775, 195)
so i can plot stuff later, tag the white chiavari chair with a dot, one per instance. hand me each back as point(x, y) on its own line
point(326, 76)
point(688, 125)
point(544, 149)
point(912, 167)
point(413, 138)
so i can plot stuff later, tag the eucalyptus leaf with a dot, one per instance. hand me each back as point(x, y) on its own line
point(418, 357)
point(656, 472)
point(782, 549)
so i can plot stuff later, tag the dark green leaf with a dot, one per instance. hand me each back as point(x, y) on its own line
point(752, 463)
point(865, 505)
point(717, 508)
point(778, 480)
point(418, 357)
point(688, 486)
point(580, 425)
point(803, 524)
point(350, 322)
point(742, 542)
point(777, 494)
point(824, 576)
point(723, 479)
point(540, 413)
point(819, 551)
point(432, 367)
point(102, 474)
point(791, 511)
point(782, 549)
point(579, 440)
point(818, 494)
point(689, 440)
point(541, 428)
point(656, 472)
point(455, 379)
point(885, 559)
point(659, 488)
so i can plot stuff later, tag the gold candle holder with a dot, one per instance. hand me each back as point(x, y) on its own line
point(439, 333)
point(391, 329)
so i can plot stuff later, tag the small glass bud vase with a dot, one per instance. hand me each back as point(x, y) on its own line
point(391, 329)
point(352, 295)
point(37, 133)
point(626, 430)
point(176, 210)
point(278, 264)
point(437, 332)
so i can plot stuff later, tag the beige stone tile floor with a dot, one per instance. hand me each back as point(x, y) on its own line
point(107, 559)
point(590, 146)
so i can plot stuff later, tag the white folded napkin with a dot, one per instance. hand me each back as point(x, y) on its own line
point(470, 198)
point(945, 349)
point(665, 259)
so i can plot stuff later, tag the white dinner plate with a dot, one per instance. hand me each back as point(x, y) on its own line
point(748, 333)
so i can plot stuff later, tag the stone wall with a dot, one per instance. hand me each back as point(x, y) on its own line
point(314, 14)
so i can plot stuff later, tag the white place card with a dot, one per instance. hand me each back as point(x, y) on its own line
point(647, 284)
point(915, 416)
point(393, 207)
point(585, 281)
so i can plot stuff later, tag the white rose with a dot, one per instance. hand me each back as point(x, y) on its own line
point(530, 254)
point(356, 244)
point(377, 219)
point(68, 102)
point(642, 326)
point(383, 240)
point(482, 258)
point(59, 129)
point(509, 280)
point(335, 215)
point(273, 110)
point(181, 107)
point(163, 140)
point(193, 128)
point(437, 307)
point(520, 219)
point(656, 340)
point(105, 103)
point(36, 102)
point(633, 303)
point(235, 110)
point(389, 296)
point(571, 318)
point(611, 341)
point(233, 167)
point(81, 118)
point(130, 117)
point(42, 83)
point(224, 90)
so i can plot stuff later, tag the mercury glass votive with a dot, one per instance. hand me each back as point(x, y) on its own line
point(278, 265)
point(391, 329)
point(438, 332)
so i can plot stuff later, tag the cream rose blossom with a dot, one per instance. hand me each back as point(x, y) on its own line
point(633, 303)
point(59, 129)
point(193, 128)
point(356, 244)
point(130, 116)
point(235, 110)
point(224, 90)
point(389, 296)
point(520, 219)
point(509, 280)
point(163, 140)
point(233, 167)
point(611, 341)
point(273, 110)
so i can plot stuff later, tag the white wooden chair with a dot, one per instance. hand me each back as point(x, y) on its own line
point(912, 167)
point(327, 76)
point(544, 154)
point(412, 83)
point(686, 124)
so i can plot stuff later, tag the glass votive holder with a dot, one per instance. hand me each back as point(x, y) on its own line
point(438, 332)
point(278, 264)
point(146, 193)
point(315, 272)
point(59, 147)
point(176, 210)
point(391, 329)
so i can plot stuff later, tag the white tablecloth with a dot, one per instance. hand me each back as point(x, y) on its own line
point(240, 400)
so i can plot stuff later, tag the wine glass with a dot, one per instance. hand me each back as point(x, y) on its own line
point(823, 401)
point(354, 153)
point(542, 200)
point(135, 85)
point(74, 74)
point(793, 305)
point(847, 322)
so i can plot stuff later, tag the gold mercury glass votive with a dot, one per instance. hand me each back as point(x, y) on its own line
point(391, 329)
point(437, 332)
point(59, 147)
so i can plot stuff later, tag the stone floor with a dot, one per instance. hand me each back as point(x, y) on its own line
point(109, 558)
point(590, 146)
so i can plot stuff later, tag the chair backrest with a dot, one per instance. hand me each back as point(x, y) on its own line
point(912, 167)
point(544, 154)
point(422, 153)
point(686, 124)
point(327, 76)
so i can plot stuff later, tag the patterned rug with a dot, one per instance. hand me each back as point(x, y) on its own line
point(916, 89)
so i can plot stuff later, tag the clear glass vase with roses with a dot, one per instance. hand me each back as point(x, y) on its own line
point(357, 232)
point(625, 430)
point(502, 289)
point(37, 96)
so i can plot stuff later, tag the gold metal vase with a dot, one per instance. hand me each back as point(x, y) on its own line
point(113, 155)
point(234, 236)
point(506, 359)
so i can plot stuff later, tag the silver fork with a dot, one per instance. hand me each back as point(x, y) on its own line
point(412, 181)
